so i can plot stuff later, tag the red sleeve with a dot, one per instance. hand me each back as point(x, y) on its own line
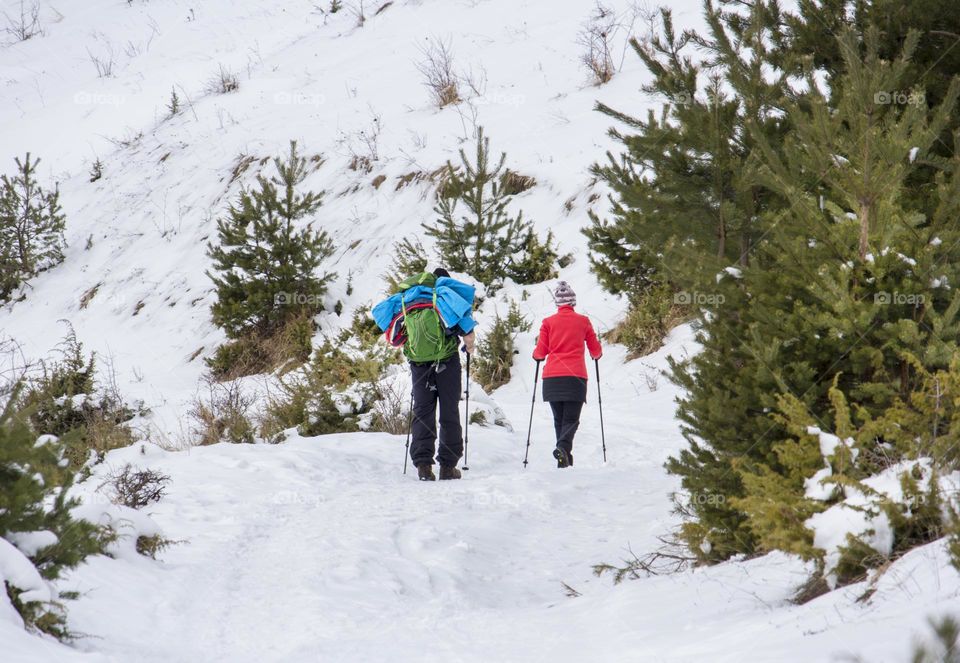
point(543, 342)
point(593, 345)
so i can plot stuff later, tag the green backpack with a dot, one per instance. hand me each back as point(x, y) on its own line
point(426, 339)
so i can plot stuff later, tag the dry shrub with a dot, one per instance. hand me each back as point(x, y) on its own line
point(223, 416)
point(25, 24)
point(223, 81)
point(391, 411)
point(436, 67)
point(596, 39)
point(135, 488)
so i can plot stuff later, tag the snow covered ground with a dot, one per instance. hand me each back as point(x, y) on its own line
point(320, 549)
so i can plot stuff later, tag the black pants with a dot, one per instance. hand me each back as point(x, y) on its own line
point(433, 383)
point(566, 420)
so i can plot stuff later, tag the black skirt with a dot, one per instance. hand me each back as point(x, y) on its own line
point(565, 388)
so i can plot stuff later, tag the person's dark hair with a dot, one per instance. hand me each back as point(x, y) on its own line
point(440, 271)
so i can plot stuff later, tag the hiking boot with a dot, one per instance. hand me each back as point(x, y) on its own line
point(425, 472)
point(563, 458)
point(447, 473)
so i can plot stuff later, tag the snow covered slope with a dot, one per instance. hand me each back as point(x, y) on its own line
point(138, 235)
point(319, 549)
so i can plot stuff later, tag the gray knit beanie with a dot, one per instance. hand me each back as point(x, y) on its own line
point(564, 295)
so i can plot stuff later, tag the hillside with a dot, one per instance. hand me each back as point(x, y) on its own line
point(320, 548)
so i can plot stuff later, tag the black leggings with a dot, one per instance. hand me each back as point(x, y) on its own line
point(566, 420)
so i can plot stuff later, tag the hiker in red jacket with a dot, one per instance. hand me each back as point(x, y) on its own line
point(561, 341)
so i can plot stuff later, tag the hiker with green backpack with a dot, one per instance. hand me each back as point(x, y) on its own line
point(428, 315)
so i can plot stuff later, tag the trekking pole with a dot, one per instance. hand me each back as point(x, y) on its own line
point(533, 400)
point(466, 416)
point(406, 452)
point(603, 439)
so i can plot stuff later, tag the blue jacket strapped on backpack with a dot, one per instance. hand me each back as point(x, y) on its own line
point(454, 302)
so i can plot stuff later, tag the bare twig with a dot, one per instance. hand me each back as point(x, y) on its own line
point(436, 67)
point(26, 24)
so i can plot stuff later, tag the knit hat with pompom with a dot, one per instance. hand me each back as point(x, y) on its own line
point(563, 295)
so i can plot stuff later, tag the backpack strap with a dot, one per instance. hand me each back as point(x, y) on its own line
point(396, 333)
point(439, 323)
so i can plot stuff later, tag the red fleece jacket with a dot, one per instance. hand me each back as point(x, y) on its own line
point(562, 336)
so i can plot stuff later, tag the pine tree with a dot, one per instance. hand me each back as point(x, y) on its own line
point(173, 107)
point(494, 358)
point(31, 227)
point(475, 234)
point(537, 262)
point(266, 261)
point(34, 485)
point(64, 401)
point(409, 257)
point(849, 280)
point(681, 209)
point(934, 64)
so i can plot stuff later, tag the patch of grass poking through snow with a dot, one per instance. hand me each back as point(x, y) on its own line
point(478, 418)
point(151, 546)
point(570, 591)
point(513, 182)
point(648, 321)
